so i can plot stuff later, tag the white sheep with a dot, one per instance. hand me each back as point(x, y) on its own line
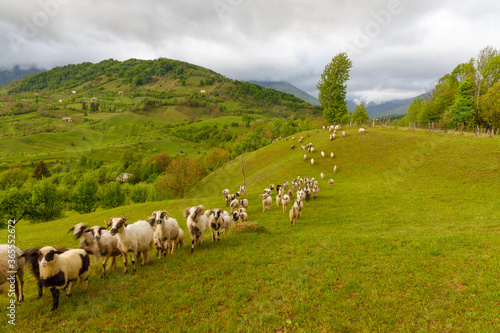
point(59, 270)
point(267, 200)
point(343, 134)
point(323, 154)
point(285, 201)
point(294, 214)
point(322, 175)
point(166, 231)
point(244, 203)
point(315, 191)
point(312, 161)
point(299, 204)
point(235, 204)
point(330, 181)
point(107, 245)
point(136, 238)
point(301, 195)
point(361, 130)
point(87, 241)
point(179, 241)
point(332, 155)
point(219, 221)
point(225, 192)
point(243, 190)
point(305, 157)
point(197, 223)
point(12, 260)
point(335, 168)
point(286, 184)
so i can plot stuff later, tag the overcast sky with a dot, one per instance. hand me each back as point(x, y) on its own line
point(398, 48)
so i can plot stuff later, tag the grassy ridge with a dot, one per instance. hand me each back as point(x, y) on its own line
point(405, 240)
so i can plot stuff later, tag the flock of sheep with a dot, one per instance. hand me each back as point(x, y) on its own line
point(59, 268)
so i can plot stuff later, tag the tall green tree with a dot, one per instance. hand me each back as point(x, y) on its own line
point(85, 197)
point(15, 204)
point(46, 202)
point(463, 108)
point(41, 170)
point(360, 114)
point(333, 88)
point(112, 195)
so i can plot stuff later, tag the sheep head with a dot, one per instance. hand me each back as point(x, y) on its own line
point(78, 230)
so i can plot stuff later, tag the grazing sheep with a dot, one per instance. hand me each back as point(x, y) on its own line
point(136, 238)
point(294, 214)
point(290, 193)
point(165, 234)
point(271, 187)
point(332, 155)
point(285, 201)
point(267, 200)
point(243, 214)
point(244, 203)
point(286, 184)
point(323, 154)
point(337, 127)
point(312, 161)
point(305, 157)
point(361, 130)
point(315, 191)
point(59, 270)
point(343, 134)
point(292, 146)
point(330, 181)
point(235, 204)
point(197, 224)
point(335, 168)
point(12, 260)
point(322, 175)
point(225, 192)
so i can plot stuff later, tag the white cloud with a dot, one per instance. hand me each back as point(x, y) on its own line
point(259, 39)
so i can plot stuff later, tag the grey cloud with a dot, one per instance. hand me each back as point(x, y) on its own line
point(259, 39)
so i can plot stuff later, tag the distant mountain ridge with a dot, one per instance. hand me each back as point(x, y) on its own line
point(16, 73)
point(289, 88)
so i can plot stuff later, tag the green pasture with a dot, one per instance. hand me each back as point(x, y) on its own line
point(407, 239)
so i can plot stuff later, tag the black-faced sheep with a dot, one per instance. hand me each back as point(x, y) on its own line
point(59, 270)
point(219, 221)
point(197, 223)
point(166, 232)
point(136, 238)
point(31, 258)
point(12, 269)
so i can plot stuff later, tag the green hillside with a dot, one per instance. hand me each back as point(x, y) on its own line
point(405, 240)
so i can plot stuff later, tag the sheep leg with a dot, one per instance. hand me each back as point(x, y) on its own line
point(144, 257)
point(192, 244)
point(124, 254)
point(134, 257)
point(40, 287)
point(104, 266)
point(172, 246)
point(213, 235)
point(55, 298)
point(71, 284)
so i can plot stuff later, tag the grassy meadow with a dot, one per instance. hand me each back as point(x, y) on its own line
point(407, 239)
